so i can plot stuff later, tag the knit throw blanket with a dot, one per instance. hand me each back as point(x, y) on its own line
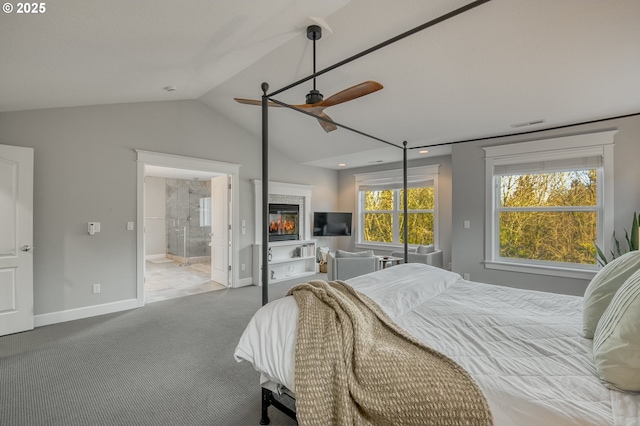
point(355, 366)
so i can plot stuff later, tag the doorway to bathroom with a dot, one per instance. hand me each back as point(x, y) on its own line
point(185, 245)
point(178, 235)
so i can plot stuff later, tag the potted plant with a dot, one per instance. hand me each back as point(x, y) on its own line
point(632, 243)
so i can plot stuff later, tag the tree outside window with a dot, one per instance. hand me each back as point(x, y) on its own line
point(383, 215)
point(549, 216)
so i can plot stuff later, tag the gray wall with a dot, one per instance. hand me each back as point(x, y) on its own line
point(469, 202)
point(347, 199)
point(85, 170)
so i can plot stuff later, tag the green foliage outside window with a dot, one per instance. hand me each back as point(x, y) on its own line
point(378, 227)
point(382, 206)
point(420, 229)
point(537, 220)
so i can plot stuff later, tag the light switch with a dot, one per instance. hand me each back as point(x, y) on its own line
point(129, 226)
point(466, 224)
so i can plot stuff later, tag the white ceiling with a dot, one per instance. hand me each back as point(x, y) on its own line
point(503, 63)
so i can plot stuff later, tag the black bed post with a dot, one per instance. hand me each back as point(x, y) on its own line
point(404, 202)
point(265, 194)
point(266, 401)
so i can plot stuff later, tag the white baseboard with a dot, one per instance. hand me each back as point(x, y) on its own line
point(243, 282)
point(155, 256)
point(86, 312)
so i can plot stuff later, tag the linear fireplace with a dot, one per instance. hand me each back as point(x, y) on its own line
point(283, 222)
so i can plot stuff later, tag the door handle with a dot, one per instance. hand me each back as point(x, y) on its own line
point(26, 247)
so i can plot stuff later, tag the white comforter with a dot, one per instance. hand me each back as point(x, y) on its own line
point(524, 348)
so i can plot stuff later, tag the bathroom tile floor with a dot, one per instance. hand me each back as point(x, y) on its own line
point(170, 280)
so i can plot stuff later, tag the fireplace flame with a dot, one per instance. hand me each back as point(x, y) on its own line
point(281, 225)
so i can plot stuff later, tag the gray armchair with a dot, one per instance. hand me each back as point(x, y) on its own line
point(344, 265)
point(422, 254)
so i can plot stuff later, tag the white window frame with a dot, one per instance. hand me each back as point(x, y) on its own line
point(567, 147)
point(391, 177)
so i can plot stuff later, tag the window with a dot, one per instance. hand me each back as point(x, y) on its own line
point(380, 217)
point(205, 211)
point(546, 204)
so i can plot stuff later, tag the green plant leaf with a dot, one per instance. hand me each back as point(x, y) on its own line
point(633, 244)
point(626, 237)
point(601, 258)
point(617, 245)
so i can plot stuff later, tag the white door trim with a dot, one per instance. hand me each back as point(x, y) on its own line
point(149, 158)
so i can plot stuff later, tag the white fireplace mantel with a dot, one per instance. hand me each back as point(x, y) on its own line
point(282, 188)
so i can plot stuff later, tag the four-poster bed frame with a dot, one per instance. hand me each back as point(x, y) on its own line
point(267, 395)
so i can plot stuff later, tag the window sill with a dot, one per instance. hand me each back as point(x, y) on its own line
point(555, 271)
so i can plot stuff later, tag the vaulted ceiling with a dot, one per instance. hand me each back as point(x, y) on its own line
point(486, 72)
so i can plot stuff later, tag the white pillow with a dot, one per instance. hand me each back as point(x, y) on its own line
point(425, 249)
point(616, 344)
point(603, 286)
point(342, 253)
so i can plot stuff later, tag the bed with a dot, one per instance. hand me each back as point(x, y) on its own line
point(523, 348)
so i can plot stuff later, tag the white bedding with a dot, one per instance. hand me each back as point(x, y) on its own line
point(523, 348)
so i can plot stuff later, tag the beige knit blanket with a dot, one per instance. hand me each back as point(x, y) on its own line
point(355, 366)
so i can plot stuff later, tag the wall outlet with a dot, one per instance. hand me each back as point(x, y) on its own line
point(129, 226)
point(466, 277)
point(96, 288)
point(242, 267)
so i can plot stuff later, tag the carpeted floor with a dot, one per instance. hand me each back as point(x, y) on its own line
point(168, 363)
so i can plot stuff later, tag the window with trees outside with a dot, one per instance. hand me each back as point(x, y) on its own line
point(547, 201)
point(381, 210)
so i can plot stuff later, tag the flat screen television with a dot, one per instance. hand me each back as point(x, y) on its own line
point(331, 224)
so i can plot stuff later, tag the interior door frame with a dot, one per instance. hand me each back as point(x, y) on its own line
point(149, 158)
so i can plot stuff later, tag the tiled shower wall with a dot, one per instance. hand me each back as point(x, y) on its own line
point(185, 202)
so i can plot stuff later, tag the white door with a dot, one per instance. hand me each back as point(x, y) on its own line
point(16, 239)
point(220, 229)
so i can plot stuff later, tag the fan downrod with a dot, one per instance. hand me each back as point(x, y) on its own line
point(314, 33)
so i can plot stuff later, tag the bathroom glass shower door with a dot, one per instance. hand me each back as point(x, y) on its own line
point(188, 229)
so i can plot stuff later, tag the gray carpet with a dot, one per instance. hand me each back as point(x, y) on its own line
point(168, 363)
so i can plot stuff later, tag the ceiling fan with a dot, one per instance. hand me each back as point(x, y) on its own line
point(315, 102)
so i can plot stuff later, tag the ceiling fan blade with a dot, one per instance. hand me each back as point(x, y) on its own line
point(255, 102)
point(353, 92)
point(327, 126)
